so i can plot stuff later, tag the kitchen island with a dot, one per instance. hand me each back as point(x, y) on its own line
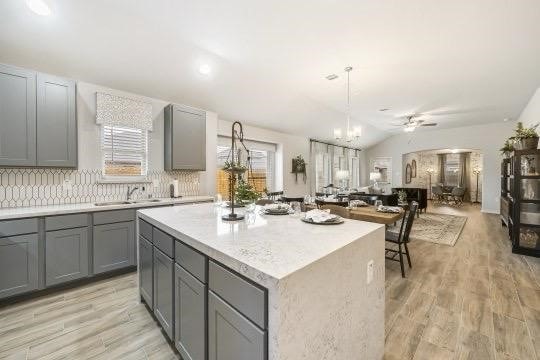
point(266, 287)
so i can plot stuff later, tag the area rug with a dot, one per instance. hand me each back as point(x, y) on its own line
point(435, 228)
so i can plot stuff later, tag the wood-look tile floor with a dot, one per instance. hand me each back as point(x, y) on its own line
point(475, 300)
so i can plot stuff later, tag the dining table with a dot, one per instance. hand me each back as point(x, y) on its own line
point(369, 213)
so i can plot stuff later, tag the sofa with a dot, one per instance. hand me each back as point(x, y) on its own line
point(414, 194)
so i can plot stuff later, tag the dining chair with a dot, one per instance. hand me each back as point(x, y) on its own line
point(457, 195)
point(289, 200)
point(437, 193)
point(401, 239)
point(273, 195)
point(337, 210)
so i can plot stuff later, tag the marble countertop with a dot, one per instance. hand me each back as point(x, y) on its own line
point(264, 248)
point(46, 210)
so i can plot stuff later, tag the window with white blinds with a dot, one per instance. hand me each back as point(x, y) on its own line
point(125, 151)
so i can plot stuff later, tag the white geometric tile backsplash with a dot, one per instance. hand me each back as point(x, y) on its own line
point(34, 187)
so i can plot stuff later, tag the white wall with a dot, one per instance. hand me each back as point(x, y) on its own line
point(486, 138)
point(531, 114)
point(89, 133)
point(288, 146)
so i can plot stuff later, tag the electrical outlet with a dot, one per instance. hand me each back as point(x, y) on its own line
point(67, 186)
point(370, 271)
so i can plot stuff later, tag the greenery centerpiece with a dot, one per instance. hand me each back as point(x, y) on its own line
point(245, 193)
point(507, 148)
point(526, 138)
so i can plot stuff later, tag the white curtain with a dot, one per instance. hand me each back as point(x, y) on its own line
point(327, 160)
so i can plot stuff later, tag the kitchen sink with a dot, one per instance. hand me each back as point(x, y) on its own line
point(145, 201)
point(110, 203)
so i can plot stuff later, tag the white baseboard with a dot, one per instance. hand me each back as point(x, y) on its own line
point(491, 211)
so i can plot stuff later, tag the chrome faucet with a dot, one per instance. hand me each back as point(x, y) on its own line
point(130, 192)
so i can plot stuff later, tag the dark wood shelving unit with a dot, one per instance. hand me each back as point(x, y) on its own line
point(520, 200)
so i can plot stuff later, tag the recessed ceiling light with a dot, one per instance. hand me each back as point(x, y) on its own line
point(332, 77)
point(205, 69)
point(506, 119)
point(40, 7)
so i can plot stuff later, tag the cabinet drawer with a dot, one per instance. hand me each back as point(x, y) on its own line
point(163, 242)
point(190, 260)
point(66, 222)
point(18, 227)
point(145, 229)
point(114, 216)
point(247, 298)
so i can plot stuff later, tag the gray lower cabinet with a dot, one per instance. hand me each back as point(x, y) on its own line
point(17, 116)
point(18, 264)
point(163, 291)
point(146, 271)
point(56, 122)
point(231, 336)
point(114, 246)
point(66, 255)
point(189, 315)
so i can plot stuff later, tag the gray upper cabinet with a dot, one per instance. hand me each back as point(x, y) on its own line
point(163, 291)
point(114, 246)
point(190, 315)
point(231, 336)
point(18, 264)
point(185, 138)
point(17, 117)
point(56, 122)
point(66, 255)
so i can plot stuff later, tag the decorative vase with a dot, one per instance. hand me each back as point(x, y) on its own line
point(526, 144)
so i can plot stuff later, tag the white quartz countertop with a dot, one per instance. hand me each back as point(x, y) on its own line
point(264, 248)
point(46, 210)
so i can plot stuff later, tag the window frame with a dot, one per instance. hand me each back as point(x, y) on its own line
point(123, 178)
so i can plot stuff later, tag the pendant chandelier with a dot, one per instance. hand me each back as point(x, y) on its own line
point(356, 132)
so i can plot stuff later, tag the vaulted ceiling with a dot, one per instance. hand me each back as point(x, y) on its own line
point(462, 62)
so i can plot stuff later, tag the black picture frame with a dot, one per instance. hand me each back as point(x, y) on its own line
point(408, 174)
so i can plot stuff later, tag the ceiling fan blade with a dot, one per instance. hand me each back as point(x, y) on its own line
point(459, 111)
point(428, 124)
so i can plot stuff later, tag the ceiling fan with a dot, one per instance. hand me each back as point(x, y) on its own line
point(412, 122)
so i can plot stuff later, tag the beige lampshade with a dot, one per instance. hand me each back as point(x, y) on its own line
point(375, 176)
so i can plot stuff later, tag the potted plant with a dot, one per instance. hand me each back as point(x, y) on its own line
point(525, 138)
point(232, 167)
point(245, 193)
point(402, 197)
point(507, 148)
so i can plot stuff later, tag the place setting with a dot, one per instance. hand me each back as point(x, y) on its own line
point(277, 209)
point(321, 217)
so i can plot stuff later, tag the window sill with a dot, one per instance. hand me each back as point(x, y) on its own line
point(124, 180)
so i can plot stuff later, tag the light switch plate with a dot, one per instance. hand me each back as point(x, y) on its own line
point(370, 271)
